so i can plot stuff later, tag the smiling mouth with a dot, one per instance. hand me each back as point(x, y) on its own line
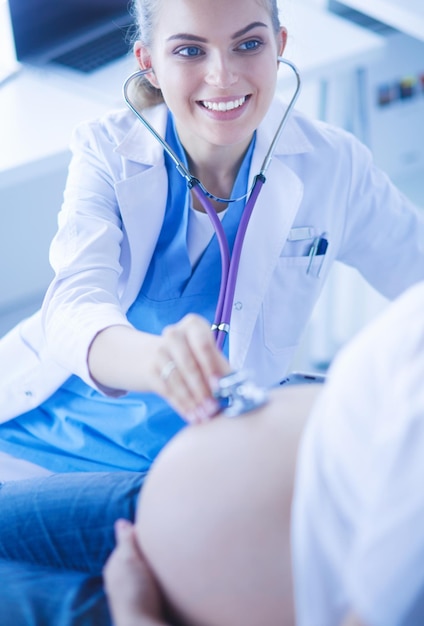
point(230, 105)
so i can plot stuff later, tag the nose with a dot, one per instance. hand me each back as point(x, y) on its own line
point(220, 72)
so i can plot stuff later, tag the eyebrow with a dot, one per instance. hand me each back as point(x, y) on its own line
point(246, 29)
point(239, 33)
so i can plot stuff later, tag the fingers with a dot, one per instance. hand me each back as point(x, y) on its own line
point(125, 536)
point(126, 552)
point(126, 560)
point(189, 363)
point(131, 588)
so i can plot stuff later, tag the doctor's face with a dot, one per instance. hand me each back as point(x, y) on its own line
point(216, 64)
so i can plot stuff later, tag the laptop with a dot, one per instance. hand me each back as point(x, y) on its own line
point(83, 44)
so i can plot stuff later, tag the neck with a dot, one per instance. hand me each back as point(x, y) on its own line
point(217, 171)
point(216, 166)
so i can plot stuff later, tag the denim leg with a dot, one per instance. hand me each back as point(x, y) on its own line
point(65, 520)
point(31, 595)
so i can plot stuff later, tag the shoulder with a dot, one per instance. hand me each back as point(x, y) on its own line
point(324, 135)
point(313, 135)
point(116, 126)
point(113, 126)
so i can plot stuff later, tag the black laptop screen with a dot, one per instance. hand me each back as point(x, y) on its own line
point(40, 25)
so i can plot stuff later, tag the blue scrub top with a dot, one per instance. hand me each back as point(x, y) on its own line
point(79, 429)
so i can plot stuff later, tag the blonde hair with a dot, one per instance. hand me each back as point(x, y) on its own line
point(145, 16)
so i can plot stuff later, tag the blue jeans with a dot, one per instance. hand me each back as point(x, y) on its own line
point(55, 536)
point(32, 595)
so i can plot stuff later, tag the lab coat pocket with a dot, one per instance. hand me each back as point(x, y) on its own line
point(290, 299)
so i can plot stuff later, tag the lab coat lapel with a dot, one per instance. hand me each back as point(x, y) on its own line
point(267, 232)
point(142, 200)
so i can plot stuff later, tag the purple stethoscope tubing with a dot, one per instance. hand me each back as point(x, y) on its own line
point(229, 262)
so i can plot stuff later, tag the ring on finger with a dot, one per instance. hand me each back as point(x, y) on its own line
point(167, 370)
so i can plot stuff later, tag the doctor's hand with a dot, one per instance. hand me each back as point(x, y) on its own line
point(181, 365)
point(188, 363)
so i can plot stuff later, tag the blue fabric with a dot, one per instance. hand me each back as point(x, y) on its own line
point(66, 520)
point(55, 536)
point(31, 595)
point(79, 429)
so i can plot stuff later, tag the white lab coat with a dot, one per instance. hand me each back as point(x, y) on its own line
point(320, 178)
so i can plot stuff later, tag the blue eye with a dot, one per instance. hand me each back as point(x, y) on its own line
point(252, 44)
point(189, 51)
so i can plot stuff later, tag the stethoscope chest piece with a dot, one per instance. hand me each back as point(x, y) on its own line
point(238, 394)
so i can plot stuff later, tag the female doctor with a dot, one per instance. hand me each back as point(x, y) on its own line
point(121, 355)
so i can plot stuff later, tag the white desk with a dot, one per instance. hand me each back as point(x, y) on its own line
point(404, 15)
point(37, 116)
point(36, 121)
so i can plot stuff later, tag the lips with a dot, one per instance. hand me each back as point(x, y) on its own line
point(223, 106)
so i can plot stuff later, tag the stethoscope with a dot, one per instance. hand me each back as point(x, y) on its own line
point(229, 263)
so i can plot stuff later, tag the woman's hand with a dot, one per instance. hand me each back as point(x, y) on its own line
point(186, 367)
point(133, 594)
point(181, 365)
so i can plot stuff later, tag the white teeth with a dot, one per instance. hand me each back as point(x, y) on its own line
point(224, 106)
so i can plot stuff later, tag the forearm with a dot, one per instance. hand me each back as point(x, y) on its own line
point(180, 364)
point(120, 358)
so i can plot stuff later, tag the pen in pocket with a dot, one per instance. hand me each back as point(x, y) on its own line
point(318, 248)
